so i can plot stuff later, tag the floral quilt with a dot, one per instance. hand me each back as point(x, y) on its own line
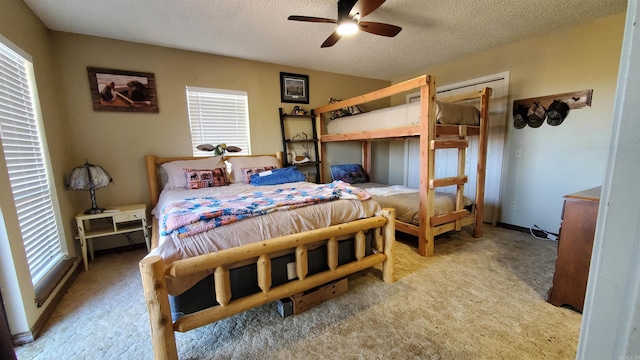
point(195, 215)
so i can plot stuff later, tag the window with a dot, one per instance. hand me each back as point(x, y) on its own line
point(218, 117)
point(28, 165)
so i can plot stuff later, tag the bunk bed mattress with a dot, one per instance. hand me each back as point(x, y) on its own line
point(173, 247)
point(406, 202)
point(404, 115)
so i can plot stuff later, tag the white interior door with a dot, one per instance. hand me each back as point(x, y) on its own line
point(446, 161)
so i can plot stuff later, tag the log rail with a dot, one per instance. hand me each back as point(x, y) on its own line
point(154, 271)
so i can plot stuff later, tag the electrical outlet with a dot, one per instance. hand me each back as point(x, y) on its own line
point(513, 205)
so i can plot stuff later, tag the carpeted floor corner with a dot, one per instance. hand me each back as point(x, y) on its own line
point(474, 299)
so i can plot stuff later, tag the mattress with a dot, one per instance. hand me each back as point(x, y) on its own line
point(407, 203)
point(173, 247)
point(403, 115)
point(244, 279)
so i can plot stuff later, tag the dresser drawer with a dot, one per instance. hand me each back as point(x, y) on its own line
point(127, 217)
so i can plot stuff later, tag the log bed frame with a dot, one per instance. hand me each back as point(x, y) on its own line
point(430, 225)
point(154, 271)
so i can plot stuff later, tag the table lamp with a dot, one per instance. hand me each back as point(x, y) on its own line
point(89, 177)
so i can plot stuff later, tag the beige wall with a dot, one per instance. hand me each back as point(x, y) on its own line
point(119, 141)
point(555, 160)
point(19, 25)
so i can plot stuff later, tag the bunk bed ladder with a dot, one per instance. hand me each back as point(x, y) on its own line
point(461, 144)
point(430, 224)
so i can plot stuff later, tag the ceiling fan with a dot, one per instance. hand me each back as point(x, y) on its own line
point(350, 12)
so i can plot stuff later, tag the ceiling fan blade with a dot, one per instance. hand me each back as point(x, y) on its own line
point(365, 7)
point(311, 19)
point(331, 40)
point(379, 28)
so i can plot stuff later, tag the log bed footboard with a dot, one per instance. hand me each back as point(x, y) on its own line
point(154, 271)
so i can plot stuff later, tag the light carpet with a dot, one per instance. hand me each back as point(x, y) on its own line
point(474, 299)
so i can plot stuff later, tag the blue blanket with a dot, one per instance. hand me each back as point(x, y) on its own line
point(278, 176)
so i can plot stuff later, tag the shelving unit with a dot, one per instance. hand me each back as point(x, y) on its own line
point(290, 145)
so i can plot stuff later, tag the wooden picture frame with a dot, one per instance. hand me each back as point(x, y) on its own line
point(122, 90)
point(294, 88)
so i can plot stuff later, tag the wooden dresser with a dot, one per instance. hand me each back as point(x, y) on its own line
point(574, 248)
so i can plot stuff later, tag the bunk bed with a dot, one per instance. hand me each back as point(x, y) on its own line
point(432, 137)
point(321, 254)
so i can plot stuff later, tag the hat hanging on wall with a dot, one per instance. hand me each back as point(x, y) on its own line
point(536, 115)
point(557, 112)
point(520, 119)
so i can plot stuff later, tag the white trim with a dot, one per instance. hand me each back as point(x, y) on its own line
point(13, 47)
point(216, 91)
point(463, 84)
point(611, 314)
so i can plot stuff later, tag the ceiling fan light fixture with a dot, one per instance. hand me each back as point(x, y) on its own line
point(347, 27)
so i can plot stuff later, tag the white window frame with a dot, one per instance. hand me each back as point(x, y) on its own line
point(41, 264)
point(218, 116)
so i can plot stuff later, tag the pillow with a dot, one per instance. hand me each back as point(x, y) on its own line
point(248, 172)
point(349, 173)
point(239, 162)
point(175, 170)
point(278, 176)
point(197, 179)
point(347, 111)
point(457, 114)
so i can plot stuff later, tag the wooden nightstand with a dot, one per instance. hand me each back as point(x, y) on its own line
point(116, 220)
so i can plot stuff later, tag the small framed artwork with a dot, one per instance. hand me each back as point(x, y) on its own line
point(294, 88)
point(122, 91)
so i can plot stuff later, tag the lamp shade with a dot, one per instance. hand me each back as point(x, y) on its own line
point(89, 177)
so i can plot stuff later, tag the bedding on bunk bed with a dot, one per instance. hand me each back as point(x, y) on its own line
point(404, 115)
point(407, 203)
point(281, 209)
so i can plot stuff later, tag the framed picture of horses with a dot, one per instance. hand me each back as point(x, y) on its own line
point(122, 90)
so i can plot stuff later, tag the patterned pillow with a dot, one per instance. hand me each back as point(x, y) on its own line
point(347, 111)
point(175, 169)
point(197, 179)
point(247, 172)
point(239, 162)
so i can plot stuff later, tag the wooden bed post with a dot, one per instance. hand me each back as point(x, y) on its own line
point(427, 164)
point(482, 160)
point(366, 156)
point(389, 234)
point(462, 158)
point(152, 179)
point(321, 150)
point(157, 298)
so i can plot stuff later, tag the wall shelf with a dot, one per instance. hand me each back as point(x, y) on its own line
point(575, 100)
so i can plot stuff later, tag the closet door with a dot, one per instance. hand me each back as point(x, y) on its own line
point(447, 159)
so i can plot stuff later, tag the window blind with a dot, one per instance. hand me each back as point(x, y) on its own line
point(218, 116)
point(27, 165)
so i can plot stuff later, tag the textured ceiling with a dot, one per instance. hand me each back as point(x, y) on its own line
point(434, 31)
